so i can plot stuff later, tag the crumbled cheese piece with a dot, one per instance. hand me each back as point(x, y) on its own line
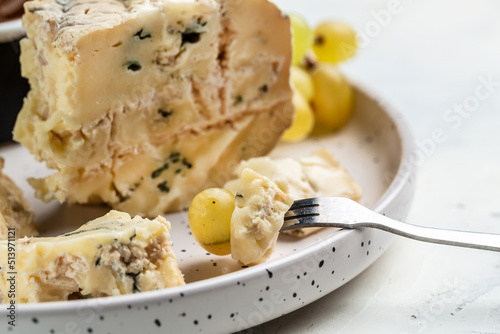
point(112, 255)
point(314, 176)
point(15, 212)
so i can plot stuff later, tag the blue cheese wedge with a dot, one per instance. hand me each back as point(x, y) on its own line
point(314, 176)
point(15, 212)
point(111, 255)
point(142, 104)
point(260, 208)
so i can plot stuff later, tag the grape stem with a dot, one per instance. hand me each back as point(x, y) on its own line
point(310, 63)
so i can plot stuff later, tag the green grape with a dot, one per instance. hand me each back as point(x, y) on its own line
point(302, 81)
point(303, 120)
point(302, 37)
point(334, 42)
point(210, 220)
point(333, 98)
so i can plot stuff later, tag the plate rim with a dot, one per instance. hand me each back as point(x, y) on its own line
point(11, 30)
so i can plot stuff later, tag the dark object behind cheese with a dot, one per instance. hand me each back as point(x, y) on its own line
point(11, 9)
point(13, 88)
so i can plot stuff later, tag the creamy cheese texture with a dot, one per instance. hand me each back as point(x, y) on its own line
point(260, 208)
point(316, 175)
point(141, 104)
point(15, 212)
point(112, 255)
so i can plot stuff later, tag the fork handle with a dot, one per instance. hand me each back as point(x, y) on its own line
point(484, 241)
point(364, 217)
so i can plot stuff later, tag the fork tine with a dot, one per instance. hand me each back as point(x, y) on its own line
point(301, 203)
point(299, 222)
point(302, 212)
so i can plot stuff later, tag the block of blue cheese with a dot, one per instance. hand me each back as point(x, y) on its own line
point(141, 104)
point(15, 212)
point(111, 255)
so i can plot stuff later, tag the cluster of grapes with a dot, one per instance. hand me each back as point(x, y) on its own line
point(323, 97)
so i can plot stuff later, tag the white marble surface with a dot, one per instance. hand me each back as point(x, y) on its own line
point(429, 60)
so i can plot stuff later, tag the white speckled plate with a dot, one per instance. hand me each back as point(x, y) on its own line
point(221, 296)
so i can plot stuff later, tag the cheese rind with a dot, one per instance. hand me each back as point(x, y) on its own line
point(15, 212)
point(112, 255)
point(257, 218)
point(117, 88)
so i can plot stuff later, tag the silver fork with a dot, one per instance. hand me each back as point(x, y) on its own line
point(347, 214)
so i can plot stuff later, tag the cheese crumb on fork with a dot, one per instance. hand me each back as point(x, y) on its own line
point(257, 218)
